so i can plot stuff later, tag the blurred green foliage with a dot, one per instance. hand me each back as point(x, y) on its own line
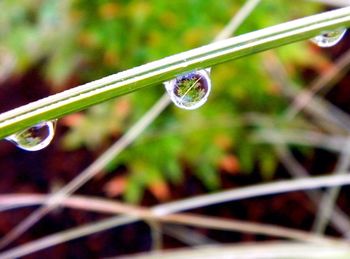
point(85, 40)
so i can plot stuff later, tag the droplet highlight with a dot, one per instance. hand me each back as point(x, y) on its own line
point(191, 90)
point(34, 138)
point(329, 38)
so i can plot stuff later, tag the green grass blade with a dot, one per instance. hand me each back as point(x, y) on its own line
point(98, 91)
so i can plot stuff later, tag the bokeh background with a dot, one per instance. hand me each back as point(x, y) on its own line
point(47, 46)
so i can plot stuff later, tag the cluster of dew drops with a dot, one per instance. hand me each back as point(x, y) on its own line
point(188, 91)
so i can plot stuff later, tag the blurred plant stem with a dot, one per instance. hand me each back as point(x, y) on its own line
point(98, 91)
point(322, 83)
point(329, 198)
point(188, 236)
point(11, 201)
point(156, 233)
point(237, 20)
point(165, 212)
point(339, 3)
point(338, 218)
point(329, 117)
point(299, 137)
point(253, 250)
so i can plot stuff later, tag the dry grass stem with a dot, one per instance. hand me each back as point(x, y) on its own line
point(339, 219)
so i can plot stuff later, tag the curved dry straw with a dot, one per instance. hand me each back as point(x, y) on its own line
point(165, 212)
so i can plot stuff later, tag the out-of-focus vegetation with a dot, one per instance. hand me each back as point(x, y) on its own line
point(81, 40)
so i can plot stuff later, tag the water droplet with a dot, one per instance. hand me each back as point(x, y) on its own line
point(34, 138)
point(191, 90)
point(329, 38)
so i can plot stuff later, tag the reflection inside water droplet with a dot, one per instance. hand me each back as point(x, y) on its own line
point(329, 38)
point(34, 138)
point(191, 90)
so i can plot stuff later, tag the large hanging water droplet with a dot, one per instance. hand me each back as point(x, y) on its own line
point(191, 90)
point(34, 138)
point(329, 38)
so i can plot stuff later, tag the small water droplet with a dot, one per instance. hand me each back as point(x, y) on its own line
point(34, 138)
point(329, 38)
point(191, 90)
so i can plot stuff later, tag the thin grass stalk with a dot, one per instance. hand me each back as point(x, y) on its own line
point(339, 219)
point(257, 250)
point(163, 213)
point(323, 82)
point(329, 198)
point(106, 206)
point(338, 3)
point(190, 220)
point(329, 117)
point(252, 191)
point(187, 235)
point(299, 137)
point(98, 91)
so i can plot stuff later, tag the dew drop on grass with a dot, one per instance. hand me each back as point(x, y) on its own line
point(34, 138)
point(191, 90)
point(329, 38)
